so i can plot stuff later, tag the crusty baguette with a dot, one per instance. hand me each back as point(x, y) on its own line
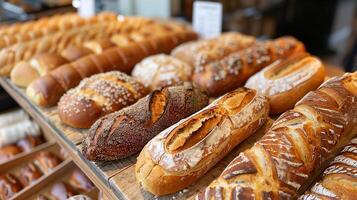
point(231, 72)
point(131, 128)
point(47, 90)
point(283, 163)
point(339, 179)
point(184, 152)
point(286, 81)
point(202, 52)
point(40, 28)
point(34, 68)
point(98, 95)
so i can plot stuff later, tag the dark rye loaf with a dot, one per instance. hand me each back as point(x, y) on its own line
point(124, 133)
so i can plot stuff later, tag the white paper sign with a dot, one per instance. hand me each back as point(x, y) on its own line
point(86, 8)
point(207, 18)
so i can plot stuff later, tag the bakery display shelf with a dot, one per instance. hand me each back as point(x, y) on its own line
point(116, 179)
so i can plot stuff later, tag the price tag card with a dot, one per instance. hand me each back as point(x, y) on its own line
point(86, 8)
point(207, 18)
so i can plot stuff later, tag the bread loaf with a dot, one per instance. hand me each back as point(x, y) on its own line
point(98, 95)
point(124, 133)
point(231, 72)
point(286, 81)
point(34, 68)
point(283, 163)
point(12, 133)
point(48, 89)
point(161, 70)
point(74, 52)
point(339, 179)
point(8, 152)
point(202, 52)
point(184, 152)
point(13, 117)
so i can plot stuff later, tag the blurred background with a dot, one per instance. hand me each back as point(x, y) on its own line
point(327, 27)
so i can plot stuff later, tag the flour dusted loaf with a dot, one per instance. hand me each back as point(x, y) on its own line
point(202, 52)
point(286, 81)
point(161, 70)
point(284, 162)
point(123, 133)
point(231, 72)
point(47, 90)
point(184, 152)
point(339, 179)
point(14, 132)
point(98, 95)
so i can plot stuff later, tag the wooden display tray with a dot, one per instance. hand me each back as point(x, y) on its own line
point(115, 179)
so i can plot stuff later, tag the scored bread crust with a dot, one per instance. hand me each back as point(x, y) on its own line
point(123, 133)
point(184, 152)
point(286, 81)
point(231, 72)
point(283, 163)
point(98, 95)
point(339, 179)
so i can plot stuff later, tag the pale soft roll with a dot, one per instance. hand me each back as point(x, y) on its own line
point(12, 117)
point(13, 133)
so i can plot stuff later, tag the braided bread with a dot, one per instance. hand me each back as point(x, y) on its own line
point(286, 81)
point(231, 72)
point(98, 95)
point(47, 90)
point(285, 160)
point(199, 53)
point(184, 152)
point(339, 179)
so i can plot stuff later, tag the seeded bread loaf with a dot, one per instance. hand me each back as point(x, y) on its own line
point(231, 72)
point(202, 52)
point(286, 81)
point(98, 95)
point(124, 133)
point(284, 162)
point(184, 152)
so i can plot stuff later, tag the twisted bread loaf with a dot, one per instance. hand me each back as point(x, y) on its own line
point(285, 160)
point(161, 70)
point(219, 77)
point(123, 133)
point(286, 81)
point(199, 53)
point(184, 152)
point(98, 95)
point(339, 179)
point(47, 90)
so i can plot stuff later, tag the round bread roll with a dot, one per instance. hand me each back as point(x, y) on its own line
point(7, 152)
point(159, 71)
point(286, 81)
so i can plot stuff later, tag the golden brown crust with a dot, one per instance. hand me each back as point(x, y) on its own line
point(202, 52)
point(286, 81)
point(283, 163)
point(46, 90)
point(339, 178)
point(123, 133)
point(219, 77)
point(184, 152)
point(98, 95)
point(74, 52)
point(9, 151)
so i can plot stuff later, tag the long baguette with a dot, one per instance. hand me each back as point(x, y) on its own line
point(47, 90)
point(339, 179)
point(283, 163)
